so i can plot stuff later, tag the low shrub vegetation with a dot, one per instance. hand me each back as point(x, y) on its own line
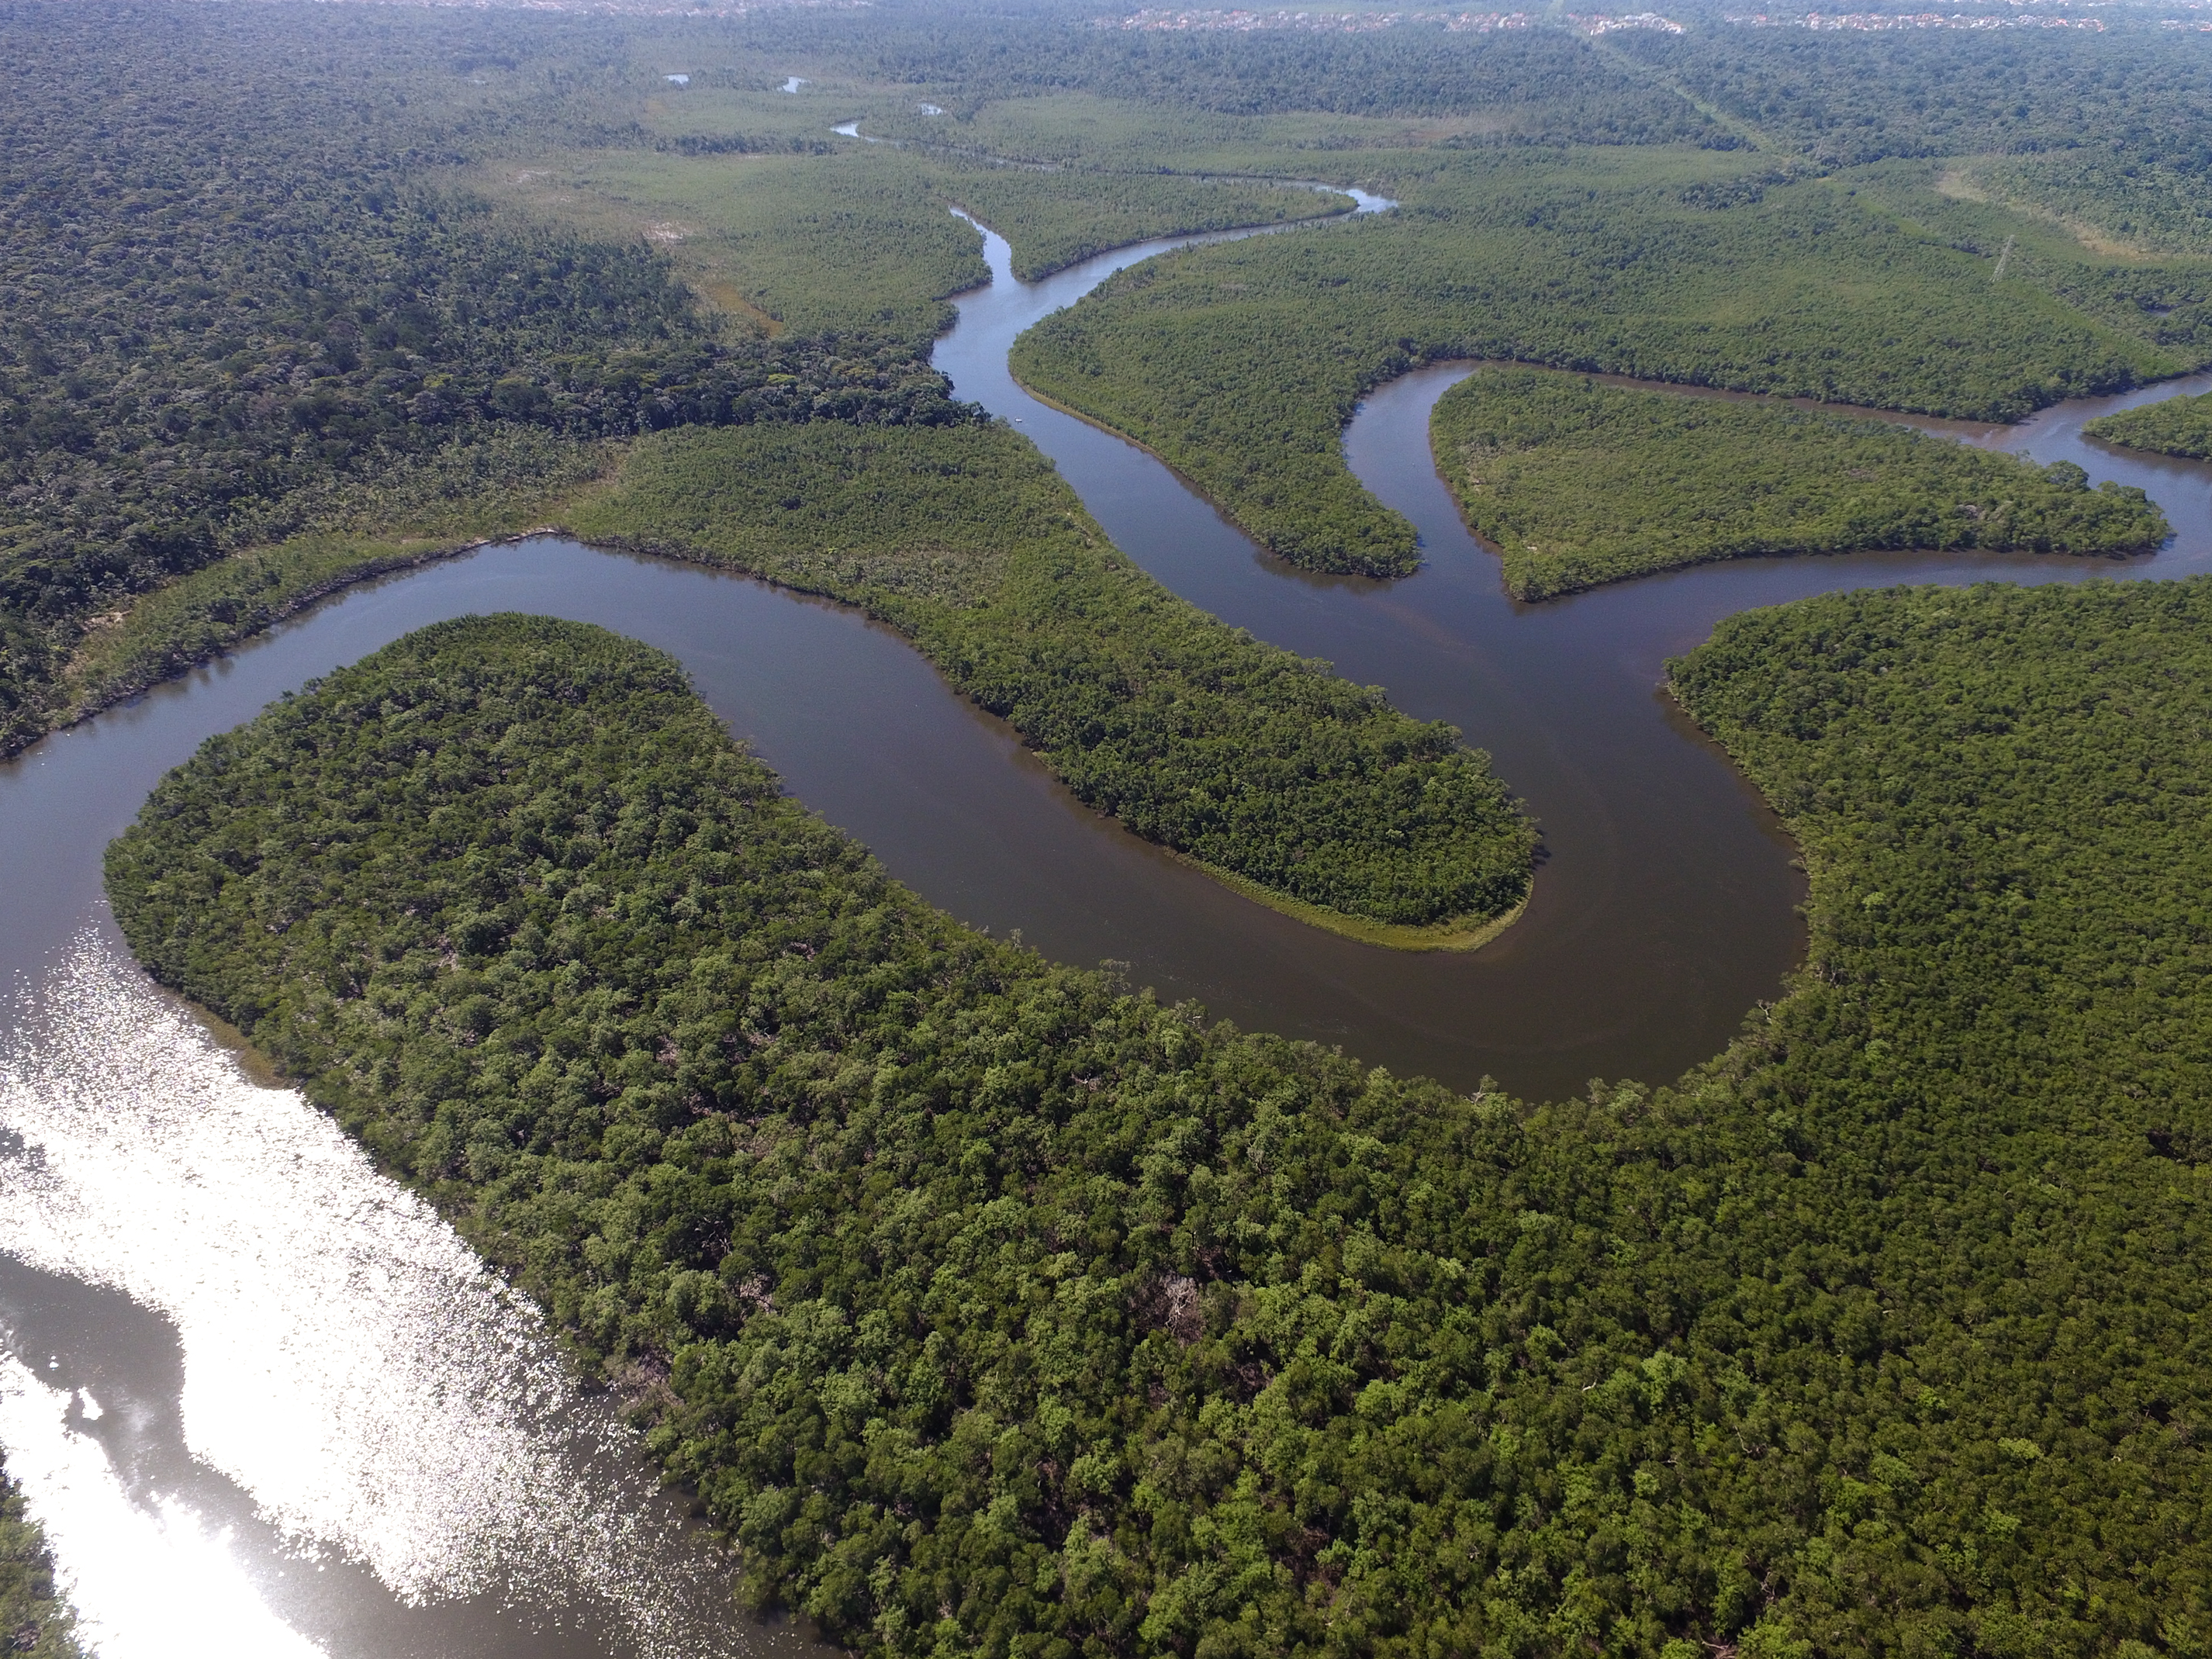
point(2174, 425)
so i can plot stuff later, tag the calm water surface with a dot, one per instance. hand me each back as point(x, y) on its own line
point(1667, 903)
point(266, 1402)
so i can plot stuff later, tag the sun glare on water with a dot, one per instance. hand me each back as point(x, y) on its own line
point(150, 1584)
point(349, 1363)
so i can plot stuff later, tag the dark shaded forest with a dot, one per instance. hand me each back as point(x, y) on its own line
point(229, 283)
point(991, 1305)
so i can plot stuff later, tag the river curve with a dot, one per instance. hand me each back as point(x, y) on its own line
point(261, 1393)
point(1666, 905)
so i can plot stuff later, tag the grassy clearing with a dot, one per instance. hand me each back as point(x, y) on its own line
point(856, 240)
point(1577, 482)
point(1084, 130)
point(863, 240)
point(1058, 219)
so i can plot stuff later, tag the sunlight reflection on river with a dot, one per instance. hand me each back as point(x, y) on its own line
point(347, 1360)
point(267, 1402)
point(154, 1582)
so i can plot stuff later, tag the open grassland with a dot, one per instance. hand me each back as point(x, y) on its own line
point(991, 1307)
point(1577, 482)
point(1534, 85)
point(1240, 364)
point(864, 239)
point(1056, 219)
point(1084, 131)
point(1236, 754)
point(854, 241)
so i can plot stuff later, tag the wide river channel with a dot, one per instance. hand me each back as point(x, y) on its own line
point(266, 1402)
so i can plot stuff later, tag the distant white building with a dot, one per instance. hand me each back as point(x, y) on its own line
point(677, 79)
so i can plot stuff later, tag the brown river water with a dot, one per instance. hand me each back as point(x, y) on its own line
point(265, 1402)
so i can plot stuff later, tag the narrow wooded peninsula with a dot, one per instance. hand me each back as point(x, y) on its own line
point(1577, 482)
point(1304, 790)
point(986, 1302)
point(2174, 425)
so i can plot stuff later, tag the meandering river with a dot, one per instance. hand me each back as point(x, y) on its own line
point(267, 1402)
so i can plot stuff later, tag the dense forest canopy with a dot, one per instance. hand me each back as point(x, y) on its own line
point(1577, 482)
point(35, 1621)
point(996, 1309)
point(993, 1308)
point(1255, 762)
point(1841, 99)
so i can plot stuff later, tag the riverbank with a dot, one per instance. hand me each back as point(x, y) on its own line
point(1258, 766)
point(191, 623)
point(371, 531)
point(1456, 933)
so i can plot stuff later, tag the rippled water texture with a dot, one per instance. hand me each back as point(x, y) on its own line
point(325, 1343)
point(267, 1403)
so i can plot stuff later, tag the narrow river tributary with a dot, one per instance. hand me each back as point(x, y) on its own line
point(266, 1402)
